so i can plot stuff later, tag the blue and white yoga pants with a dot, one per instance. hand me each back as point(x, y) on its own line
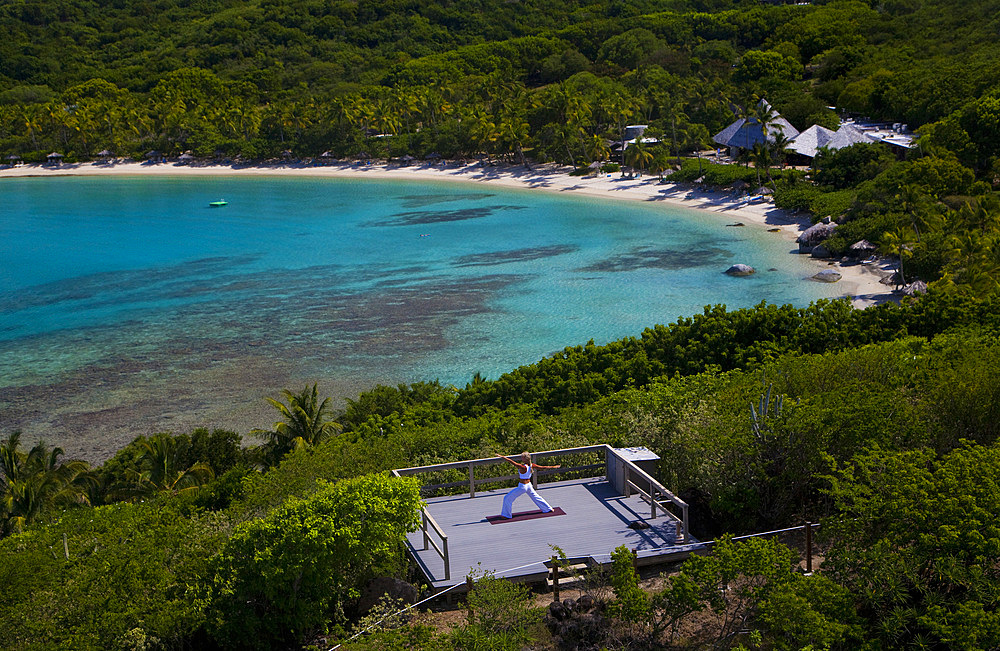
point(518, 491)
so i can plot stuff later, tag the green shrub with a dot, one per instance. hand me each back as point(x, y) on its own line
point(501, 615)
point(632, 604)
point(280, 579)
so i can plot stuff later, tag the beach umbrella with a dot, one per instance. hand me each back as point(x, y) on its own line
point(432, 156)
point(185, 158)
point(152, 154)
point(13, 157)
point(326, 154)
point(54, 156)
point(862, 246)
point(104, 153)
point(287, 153)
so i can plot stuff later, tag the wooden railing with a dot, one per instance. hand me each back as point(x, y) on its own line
point(652, 492)
point(470, 465)
point(428, 541)
point(635, 478)
point(428, 524)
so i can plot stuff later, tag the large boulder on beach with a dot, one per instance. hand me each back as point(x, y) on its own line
point(740, 270)
point(814, 235)
point(828, 276)
point(820, 251)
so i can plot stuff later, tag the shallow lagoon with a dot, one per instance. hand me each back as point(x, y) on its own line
point(129, 306)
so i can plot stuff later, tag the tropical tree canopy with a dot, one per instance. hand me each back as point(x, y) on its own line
point(33, 481)
point(306, 422)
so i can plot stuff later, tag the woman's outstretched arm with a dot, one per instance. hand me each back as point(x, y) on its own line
point(512, 462)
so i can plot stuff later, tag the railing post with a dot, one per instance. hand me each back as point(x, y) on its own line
point(472, 480)
point(534, 475)
point(447, 560)
point(628, 480)
point(652, 501)
point(684, 516)
point(809, 548)
point(468, 593)
point(427, 537)
point(555, 578)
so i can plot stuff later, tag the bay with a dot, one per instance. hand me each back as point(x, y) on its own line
point(129, 306)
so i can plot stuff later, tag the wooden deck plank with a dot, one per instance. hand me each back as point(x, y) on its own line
point(596, 522)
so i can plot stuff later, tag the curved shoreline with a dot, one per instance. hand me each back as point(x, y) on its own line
point(859, 282)
point(96, 418)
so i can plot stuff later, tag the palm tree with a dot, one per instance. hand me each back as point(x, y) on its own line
point(779, 146)
point(671, 108)
point(482, 129)
point(618, 108)
point(30, 116)
point(897, 243)
point(33, 481)
point(637, 155)
point(305, 423)
point(162, 469)
point(660, 163)
point(761, 155)
point(914, 204)
point(597, 148)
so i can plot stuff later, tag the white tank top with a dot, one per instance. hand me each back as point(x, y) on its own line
point(526, 474)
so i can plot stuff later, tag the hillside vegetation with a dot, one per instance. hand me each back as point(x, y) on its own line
point(911, 387)
point(889, 419)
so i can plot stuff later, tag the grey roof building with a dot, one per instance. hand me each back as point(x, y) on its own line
point(746, 132)
point(809, 142)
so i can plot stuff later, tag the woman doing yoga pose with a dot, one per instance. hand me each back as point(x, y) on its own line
point(524, 485)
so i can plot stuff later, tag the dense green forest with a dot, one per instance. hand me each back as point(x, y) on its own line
point(889, 426)
point(232, 81)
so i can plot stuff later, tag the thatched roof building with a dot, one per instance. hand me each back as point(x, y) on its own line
point(914, 288)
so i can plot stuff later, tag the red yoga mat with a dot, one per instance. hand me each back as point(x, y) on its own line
point(525, 515)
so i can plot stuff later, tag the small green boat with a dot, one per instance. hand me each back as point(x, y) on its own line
point(218, 204)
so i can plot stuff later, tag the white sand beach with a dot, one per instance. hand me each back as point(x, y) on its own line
point(860, 282)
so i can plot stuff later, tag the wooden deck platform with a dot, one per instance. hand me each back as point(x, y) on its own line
point(596, 522)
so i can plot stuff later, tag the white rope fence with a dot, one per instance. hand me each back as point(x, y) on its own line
point(707, 543)
point(433, 596)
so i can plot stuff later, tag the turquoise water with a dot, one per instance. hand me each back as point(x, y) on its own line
point(128, 305)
